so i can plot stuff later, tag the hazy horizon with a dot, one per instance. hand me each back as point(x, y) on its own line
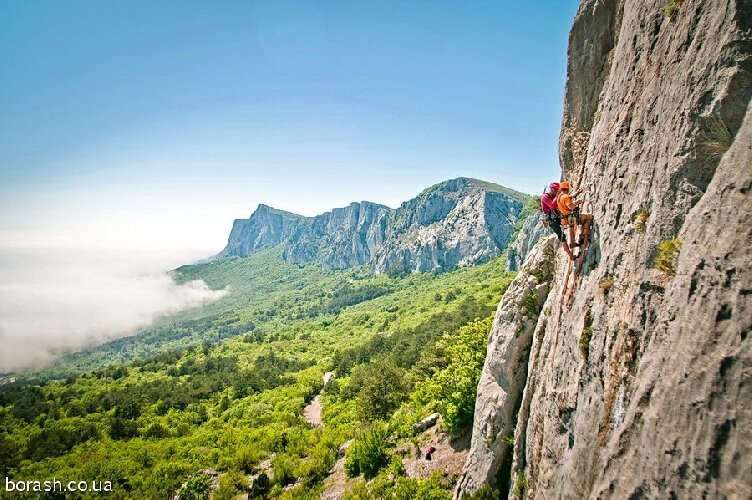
point(171, 121)
point(143, 128)
point(53, 302)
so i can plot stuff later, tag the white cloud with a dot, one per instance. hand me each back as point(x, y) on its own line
point(56, 297)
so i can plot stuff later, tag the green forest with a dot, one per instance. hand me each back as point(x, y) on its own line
point(222, 387)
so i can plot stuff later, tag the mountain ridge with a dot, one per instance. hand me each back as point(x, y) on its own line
point(461, 221)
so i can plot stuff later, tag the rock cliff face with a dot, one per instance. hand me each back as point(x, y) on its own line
point(342, 238)
point(641, 388)
point(530, 233)
point(454, 223)
point(457, 223)
point(505, 370)
point(265, 228)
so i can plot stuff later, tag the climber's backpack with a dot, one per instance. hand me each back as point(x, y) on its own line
point(551, 214)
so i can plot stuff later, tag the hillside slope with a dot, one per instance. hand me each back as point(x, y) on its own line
point(641, 387)
point(455, 223)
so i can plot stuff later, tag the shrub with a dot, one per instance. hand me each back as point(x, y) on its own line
point(170, 475)
point(586, 335)
point(384, 486)
point(520, 483)
point(640, 218)
point(382, 390)
point(246, 458)
point(715, 138)
point(530, 302)
point(606, 284)
point(368, 453)
point(667, 253)
point(182, 429)
point(332, 388)
point(485, 493)
point(197, 487)
point(319, 463)
point(231, 485)
point(121, 428)
point(156, 431)
point(430, 488)
point(283, 470)
point(259, 486)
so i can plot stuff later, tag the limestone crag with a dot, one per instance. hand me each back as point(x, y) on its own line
point(447, 226)
point(342, 238)
point(530, 233)
point(505, 369)
point(454, 223)
point(640, 388)
point(267, 227)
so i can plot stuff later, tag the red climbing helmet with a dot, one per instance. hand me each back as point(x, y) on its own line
point(554, 186)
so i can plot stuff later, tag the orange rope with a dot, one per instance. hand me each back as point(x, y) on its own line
point(561, 302)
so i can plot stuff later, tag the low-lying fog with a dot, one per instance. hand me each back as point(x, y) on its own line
point(55, 299)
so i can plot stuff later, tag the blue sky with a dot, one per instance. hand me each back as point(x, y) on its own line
point(157, 123)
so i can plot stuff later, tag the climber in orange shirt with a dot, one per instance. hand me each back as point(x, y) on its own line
point(569, 208)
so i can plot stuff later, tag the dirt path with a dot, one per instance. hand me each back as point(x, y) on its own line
point(312, 412)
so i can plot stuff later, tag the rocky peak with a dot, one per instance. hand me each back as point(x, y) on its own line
point(458, 222)
point(266, 227)
point(531, 231)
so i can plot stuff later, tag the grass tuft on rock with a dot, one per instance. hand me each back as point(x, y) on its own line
point(671, 10)
point(640, 218)
point(715, 139)
point(667, 254)
point(485, 493)
point(606, 284)
point(530, 302)
point(520, 483)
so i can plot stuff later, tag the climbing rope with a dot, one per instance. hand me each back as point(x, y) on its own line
point(585, 237)
point(558, 319)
